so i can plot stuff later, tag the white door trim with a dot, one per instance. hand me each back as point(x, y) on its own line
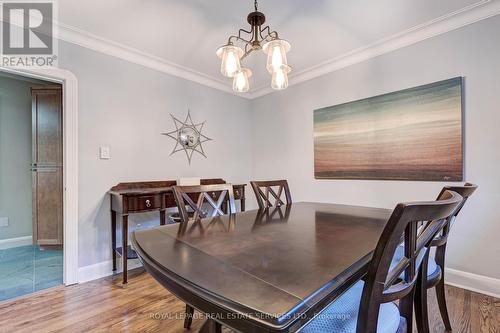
point(70, 144)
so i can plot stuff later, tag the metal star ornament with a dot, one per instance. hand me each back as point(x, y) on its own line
point(188, 137)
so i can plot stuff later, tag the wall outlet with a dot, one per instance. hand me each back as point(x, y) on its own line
point(104, 153)
point(4, 221)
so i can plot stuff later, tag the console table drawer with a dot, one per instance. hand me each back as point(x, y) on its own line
point(144, 203)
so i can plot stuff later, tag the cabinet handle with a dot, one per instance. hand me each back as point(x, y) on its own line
point(148, 203)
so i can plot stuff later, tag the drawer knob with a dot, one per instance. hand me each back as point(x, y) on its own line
point(148, 203)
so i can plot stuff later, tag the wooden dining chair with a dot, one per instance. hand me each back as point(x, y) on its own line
point(267, 197)
point(196, 197)
point(368, 306)
point(435, 266)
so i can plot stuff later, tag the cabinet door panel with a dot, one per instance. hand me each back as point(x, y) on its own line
point(47, 166)
point(48, 197)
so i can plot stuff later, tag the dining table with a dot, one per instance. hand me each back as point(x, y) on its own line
point(270, 270)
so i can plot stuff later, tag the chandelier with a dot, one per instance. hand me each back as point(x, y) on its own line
point(239, 46)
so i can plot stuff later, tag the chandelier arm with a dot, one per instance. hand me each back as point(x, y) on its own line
point(247, 52)
point(239, 36)
point(272, 34)
point(230, 40)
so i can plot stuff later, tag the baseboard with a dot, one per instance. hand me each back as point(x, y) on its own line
point(102, 269)
point(15, 242)
point(473, 282)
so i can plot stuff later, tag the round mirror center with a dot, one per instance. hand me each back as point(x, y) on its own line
point(189, 137)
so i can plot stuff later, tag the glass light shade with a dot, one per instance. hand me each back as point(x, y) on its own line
point(241, 81)
point(276, 51)
point(280, 78)
point(230, 56)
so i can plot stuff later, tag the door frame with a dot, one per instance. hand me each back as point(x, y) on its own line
point(69, 84)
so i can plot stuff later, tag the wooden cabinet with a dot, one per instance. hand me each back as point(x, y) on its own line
point(47, 165)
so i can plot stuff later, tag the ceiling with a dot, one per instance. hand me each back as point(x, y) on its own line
point(187, 32)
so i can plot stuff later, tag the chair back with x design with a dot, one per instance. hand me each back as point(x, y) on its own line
point(387, 281)
point(195, 197)
point(267, 197)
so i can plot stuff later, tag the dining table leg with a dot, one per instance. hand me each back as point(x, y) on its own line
point(210, 326)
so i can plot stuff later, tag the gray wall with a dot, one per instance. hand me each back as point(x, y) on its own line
point(126, 107)
point(283, 134)
point(15, 157)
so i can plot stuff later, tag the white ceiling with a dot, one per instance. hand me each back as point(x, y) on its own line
point(187, 32)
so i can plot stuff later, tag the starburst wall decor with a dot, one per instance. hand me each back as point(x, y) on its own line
point(188, 136)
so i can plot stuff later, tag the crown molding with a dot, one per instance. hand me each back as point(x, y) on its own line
point(468, 15)
point(102, 45)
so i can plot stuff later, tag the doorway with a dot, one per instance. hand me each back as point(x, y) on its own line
point(31, 185)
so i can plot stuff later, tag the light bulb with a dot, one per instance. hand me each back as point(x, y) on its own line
point(241, 81)
point(230, 56)
point(280, 78)
point(276, 54)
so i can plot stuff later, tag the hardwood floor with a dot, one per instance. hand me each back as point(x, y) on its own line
point(144, 306)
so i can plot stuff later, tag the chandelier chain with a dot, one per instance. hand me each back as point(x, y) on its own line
point(256, 5)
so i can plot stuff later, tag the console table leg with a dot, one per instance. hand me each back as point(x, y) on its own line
point(242, 204)
point(124, 246)
point(113, 238)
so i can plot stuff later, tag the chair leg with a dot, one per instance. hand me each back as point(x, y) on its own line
point(210, 326)
point(440, 292)
point(189, 317)
point(421, 311)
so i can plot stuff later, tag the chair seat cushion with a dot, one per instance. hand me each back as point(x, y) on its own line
point(432, 267)
point(342, 315)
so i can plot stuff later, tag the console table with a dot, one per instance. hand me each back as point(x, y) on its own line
point(140, 197)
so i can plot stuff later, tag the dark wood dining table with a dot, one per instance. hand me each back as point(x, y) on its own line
point(264, 270)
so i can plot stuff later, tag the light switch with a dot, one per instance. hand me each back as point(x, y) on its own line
point(104, 153)
point(4, 221)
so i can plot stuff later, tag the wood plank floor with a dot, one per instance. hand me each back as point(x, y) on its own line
point(144, 306)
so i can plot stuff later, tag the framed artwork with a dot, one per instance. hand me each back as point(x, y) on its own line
point(412, 134)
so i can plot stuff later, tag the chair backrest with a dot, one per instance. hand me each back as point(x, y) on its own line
point(196, 196)
point(267, 197)
point(383, 282)
point(465, 191)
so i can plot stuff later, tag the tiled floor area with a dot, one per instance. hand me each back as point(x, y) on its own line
point(26, 269)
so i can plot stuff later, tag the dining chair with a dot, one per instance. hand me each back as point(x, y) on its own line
point(435, 267)
point(265, 194)
point(195, 197)
point(368, 306)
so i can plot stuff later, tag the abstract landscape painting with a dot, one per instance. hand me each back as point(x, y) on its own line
point(413, 134)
